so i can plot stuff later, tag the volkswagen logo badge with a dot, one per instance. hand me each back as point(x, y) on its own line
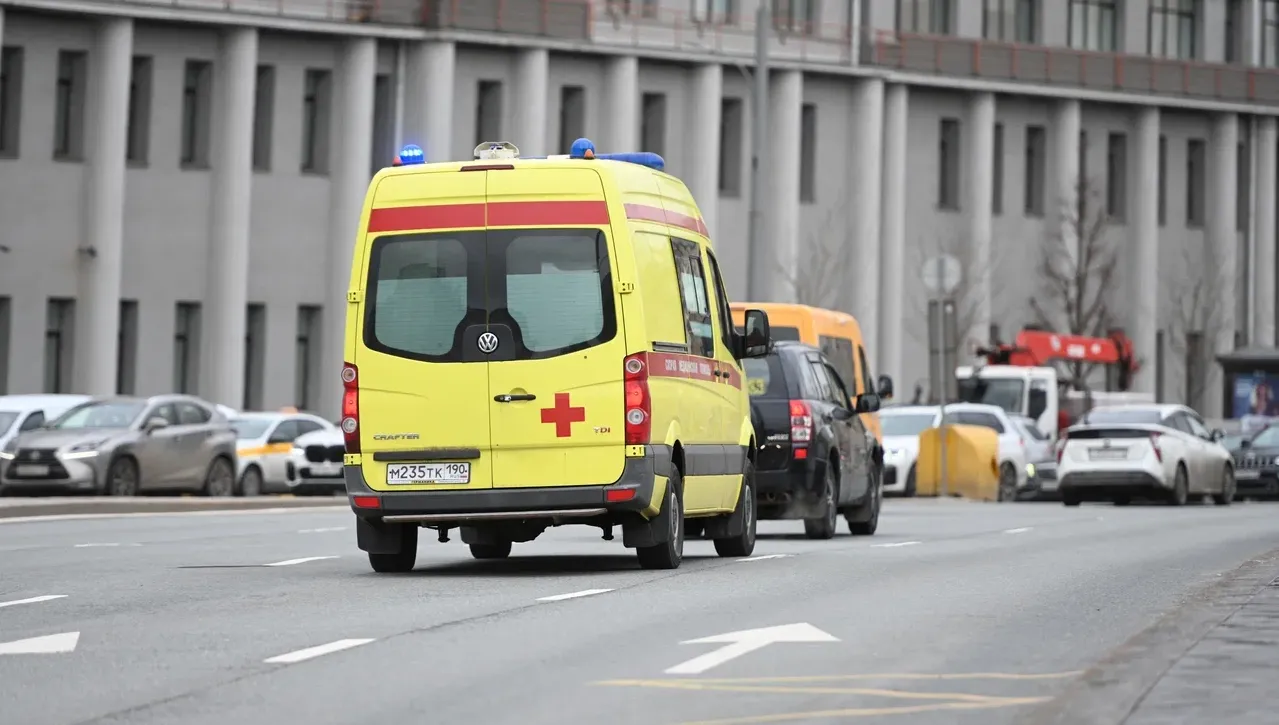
point(487, 343)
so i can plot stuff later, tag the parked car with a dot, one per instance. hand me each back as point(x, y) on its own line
point(1012, 447)
point(22, 413)
point(264, 447)
point(315, 463)
point(1256, 458)
point(123, 446)
point(902, 425)
point(1125, 452)
point(1041, 461)
point(816, 458)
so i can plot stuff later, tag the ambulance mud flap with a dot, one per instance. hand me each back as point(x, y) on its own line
point(378, 537)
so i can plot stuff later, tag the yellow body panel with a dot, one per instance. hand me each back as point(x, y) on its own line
point(972, 462)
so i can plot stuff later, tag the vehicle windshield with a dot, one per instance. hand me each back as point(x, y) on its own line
point(1267, 438)
point(1123, 416)
point(105, 414)
point(1029, 428)
point(6, 421)
point(764, 378)
point(1232, 440)
point(906, 424)
point(247, 429)
point(1007, 393)
point(784, 334)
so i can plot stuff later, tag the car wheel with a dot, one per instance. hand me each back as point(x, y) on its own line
point(668, 554)
point(868, 510)
point(824, 528)
point(122, 477)
point(1069, 499)
point(744, 543)
point(1007, 483)
point(398, 562)
point(1227, 488)
point(251, 482)
point(1180, 488)
point(1122, 500)
point(491, 551)
point(910, 483)
point(220, 479)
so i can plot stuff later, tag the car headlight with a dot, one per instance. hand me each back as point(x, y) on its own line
point(87, 449)
point(1030, 470)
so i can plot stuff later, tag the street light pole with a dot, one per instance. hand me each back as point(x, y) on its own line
point(759, 271)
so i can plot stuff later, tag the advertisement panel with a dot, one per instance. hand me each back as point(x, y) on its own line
point(1255, 394)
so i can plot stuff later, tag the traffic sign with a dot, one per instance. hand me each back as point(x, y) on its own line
point(942, 274)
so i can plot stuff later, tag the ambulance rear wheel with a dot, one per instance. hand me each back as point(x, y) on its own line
point(667, 554)
point(402, 559)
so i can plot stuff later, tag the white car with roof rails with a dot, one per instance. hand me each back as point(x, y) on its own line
point(1124, 452)
point(315, 463)
point(22, 413)
point(264, 446)
point(902, 425)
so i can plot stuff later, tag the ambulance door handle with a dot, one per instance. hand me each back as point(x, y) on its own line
point(509, 398)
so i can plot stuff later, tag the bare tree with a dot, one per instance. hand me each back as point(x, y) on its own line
point(1196, 301)
point(820, 274)
point(1077, 263)
point(975, 279)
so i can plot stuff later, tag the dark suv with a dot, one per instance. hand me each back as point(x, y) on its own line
point(815, 460)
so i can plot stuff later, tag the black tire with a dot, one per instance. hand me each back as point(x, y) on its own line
point(875, 502)
point(1180, 488)
point(1007, 483)
point(1069, 499)
point(251, 482)
point(910, 483)
point(1122, 500)
point(219, 480)
point(123, 477)
point(1228, 488)
point(668, 554)
point(744, 543)
point(824, 528)
point(491, 551)
point(399, 562)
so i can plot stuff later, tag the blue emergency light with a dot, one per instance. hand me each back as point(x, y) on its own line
point(584, 149)
point(411, 154)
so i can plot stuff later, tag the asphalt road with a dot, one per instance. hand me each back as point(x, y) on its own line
point(955, 612)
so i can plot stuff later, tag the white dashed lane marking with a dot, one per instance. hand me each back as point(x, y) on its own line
point(1022, 530)
point(574, 595)
point(765, 556)
point(322, 531)
point(895, 544)
point(32, 600)
point(313, 652)
point(104, 545)
point(291, 562)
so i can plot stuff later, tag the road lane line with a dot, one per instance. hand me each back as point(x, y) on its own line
point(291, 562)
point(322, 531)
point(103, 545)
point(32, 600)
point(313, 652)
point(1022, 530)
point(895, 544)
point(574, 595)
point(765, 556)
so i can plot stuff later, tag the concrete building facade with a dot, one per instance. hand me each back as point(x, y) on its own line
point(180, 183)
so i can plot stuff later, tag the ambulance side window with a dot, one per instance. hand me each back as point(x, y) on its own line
point(692, 290)
point(721, 301)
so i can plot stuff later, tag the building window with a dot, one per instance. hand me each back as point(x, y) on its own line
point(1092, 25)
point(254, 355)
point(263, 117)
point(68, 118)
point(997, 172)
point(1012, 21)
point(126, 349)
point(796, 16)
point(186, 347)
point(1163, 180)
point(1270, 33)
point(308, 336)
point(1082, 182)
point(139, 140)
point(488, 111)
point(731, 121)
point(1196, 153)
point(1172, 27)
point(59, 332)
point(1036, 171)
point(808, 153)
point(924, 16)
point(315, 121)
point(10, 100)
point(718, 12)
point(1234, 31)
point(653, 123)
point(1243, 185)
point(572, 116)
point(197, 87)
point(948, 165)
point(6, 324)
point(1117, 177)
point(383, 123)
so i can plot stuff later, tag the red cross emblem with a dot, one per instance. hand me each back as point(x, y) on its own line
point(563, 416)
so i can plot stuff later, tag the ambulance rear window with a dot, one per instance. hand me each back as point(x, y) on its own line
point(543, 292)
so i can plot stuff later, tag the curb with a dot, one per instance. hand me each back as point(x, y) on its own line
point(1109, 691)
point(39, 507)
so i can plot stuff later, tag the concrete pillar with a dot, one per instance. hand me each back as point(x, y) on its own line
point(428, 99)
point(980, 188)
point(357, 69)
point(1066, 128)
point(786, 99)
point(892, 261)
point(226, 300)
point(1, 25)
point(622, 132)
point(98, 302)
point(532, 87)
point(702, 173)
point(865, 183)
point(1221, 252)
point(1263, 332)
point(1143, 326)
